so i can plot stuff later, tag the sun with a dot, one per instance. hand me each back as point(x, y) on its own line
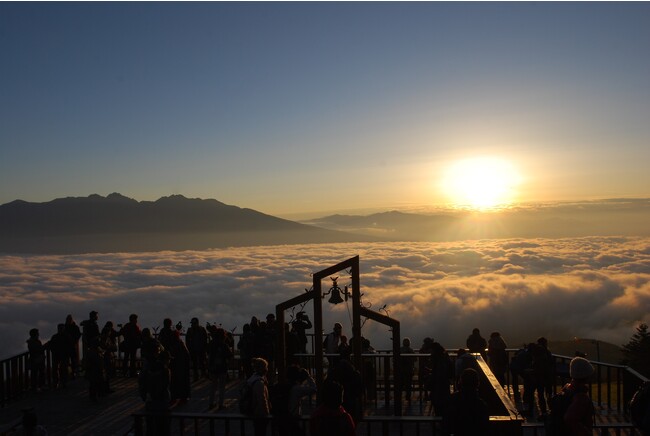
point(481, 183)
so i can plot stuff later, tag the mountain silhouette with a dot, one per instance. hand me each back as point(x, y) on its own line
point(117, 223)
point(610, 217)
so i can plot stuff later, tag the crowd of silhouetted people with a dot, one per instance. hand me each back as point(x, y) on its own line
point(168, 363)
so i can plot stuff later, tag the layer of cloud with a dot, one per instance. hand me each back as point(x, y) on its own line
point(594, 287)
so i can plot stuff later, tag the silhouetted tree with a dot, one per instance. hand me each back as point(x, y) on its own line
point(637, 350)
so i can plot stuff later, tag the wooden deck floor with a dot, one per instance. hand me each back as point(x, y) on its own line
point(69, 411)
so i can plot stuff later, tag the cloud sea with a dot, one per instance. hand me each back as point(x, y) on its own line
point(591, 287)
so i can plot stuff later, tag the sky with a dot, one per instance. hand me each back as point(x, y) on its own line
point(297, 108)
point(566, 288)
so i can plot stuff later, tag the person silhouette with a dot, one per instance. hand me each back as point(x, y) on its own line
point(219, 354)
point(90, 330)
point(331, 344)
point(408, 368)
point(579, 414)
point(331, 418)
point(108, 343)
point(196, 340)
point(36, 360)
point(467, 414)
point(350, 378)
point(132, 341)
point(61, 348)
point(300, 325)
point(498, 356)
point(477, 343)
point(73, 331)
point(261, 405)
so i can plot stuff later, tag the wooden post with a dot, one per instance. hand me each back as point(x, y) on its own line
point(356, 315)
point(318, 331)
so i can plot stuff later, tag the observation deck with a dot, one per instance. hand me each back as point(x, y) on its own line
point(69, 411)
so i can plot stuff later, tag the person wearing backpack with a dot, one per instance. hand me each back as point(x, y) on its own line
point(572, 411)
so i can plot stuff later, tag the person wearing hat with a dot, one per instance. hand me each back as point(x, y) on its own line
point(578, 418)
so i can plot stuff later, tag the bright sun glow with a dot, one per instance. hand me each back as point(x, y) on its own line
point(481, 183)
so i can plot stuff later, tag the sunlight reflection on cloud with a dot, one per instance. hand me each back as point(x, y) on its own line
point(524, 288)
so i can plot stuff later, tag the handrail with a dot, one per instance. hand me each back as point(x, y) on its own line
point(178, 420)
point(384, 423)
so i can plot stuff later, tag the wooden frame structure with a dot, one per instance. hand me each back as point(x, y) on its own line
point(358, 311)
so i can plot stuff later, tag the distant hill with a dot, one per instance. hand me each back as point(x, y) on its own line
point(609, 353)
point(619, 217)
point(118, 223)
point(391, 225)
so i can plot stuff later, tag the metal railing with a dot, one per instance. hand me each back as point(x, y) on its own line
point(612, 386)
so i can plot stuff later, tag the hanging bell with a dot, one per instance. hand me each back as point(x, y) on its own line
point(336, 296)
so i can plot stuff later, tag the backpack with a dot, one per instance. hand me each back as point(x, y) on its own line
point(246, 405)
point(520, 361)
point(640, 407)
point(149, 382)
point(279, 397)
point(218, 356)
point(560, 402)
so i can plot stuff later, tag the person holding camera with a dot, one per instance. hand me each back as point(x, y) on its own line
point(300, 325)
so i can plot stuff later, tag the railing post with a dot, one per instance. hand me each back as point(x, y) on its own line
point(48, 368)
point(599, 380)
point(609, 388)
point(387, 381)
point(619, 386)
point(3, 393)
point(18, 375)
